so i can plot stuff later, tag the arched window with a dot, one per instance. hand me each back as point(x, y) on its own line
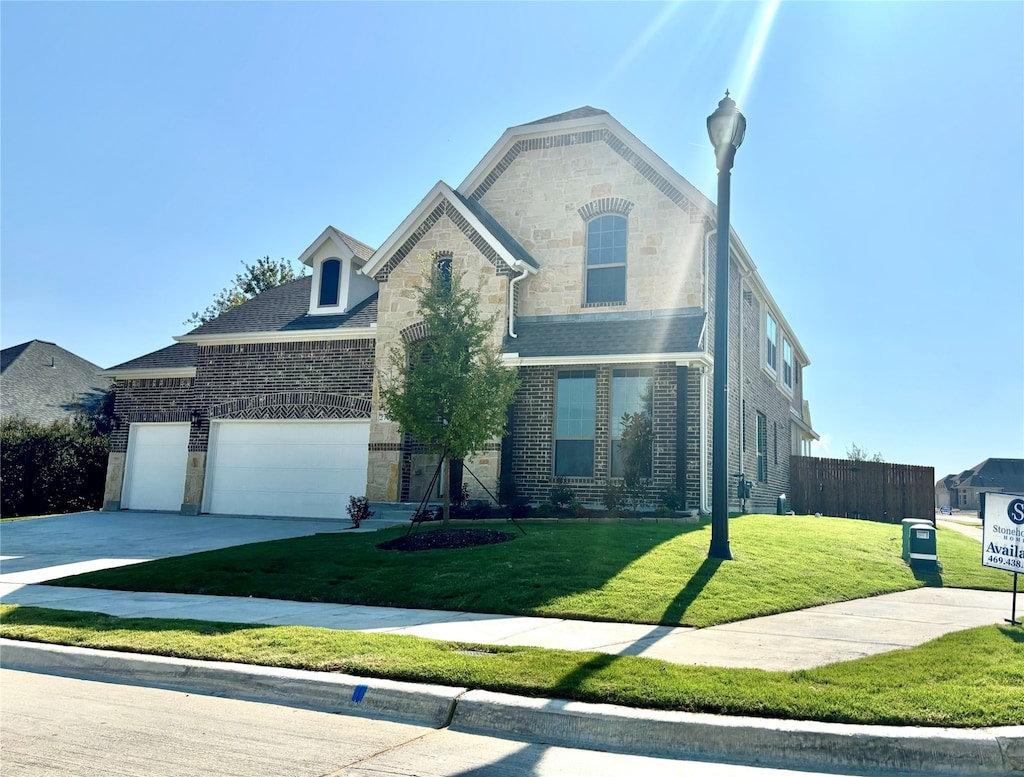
point(330, 282)
point(444, 274)
point(606, 260)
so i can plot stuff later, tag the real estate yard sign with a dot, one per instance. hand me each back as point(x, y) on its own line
point(1002, 539)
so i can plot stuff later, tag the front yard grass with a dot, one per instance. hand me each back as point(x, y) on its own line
point(632, 572)
point(966, 679)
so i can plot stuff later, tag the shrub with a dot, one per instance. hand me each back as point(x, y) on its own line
point(55, 468)
point(614, 494)
point(561, 498)
point(359, 510)
point(673, 499)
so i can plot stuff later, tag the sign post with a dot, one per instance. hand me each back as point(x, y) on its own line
point(1002, 539)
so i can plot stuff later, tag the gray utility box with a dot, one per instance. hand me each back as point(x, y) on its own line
point(782, 505)
point(919, 548)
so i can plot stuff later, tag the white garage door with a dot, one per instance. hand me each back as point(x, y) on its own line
point(297, 468)
point(154, 475)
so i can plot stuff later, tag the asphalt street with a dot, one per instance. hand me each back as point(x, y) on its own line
point(76, 728)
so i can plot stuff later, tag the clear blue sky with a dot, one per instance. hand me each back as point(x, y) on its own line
point(149, 148)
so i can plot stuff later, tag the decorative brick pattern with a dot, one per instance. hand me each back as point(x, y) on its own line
point(414, 332)
point(443, 208)
point(594, 136)
point(604, 206)
point(293, 405)
point(149, 400)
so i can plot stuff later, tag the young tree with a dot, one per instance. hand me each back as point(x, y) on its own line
point(856, 453)
point(254, 279)
point(449, 389)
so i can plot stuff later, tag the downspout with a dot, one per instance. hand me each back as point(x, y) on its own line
point(743, 463)
point(705, 505)
point(512, 298)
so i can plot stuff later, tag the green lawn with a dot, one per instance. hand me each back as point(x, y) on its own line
point(634, 572)
point(966, 679)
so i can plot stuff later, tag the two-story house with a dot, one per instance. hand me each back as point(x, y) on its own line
point(595, 259)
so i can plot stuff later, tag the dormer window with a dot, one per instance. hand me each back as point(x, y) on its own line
point(330, 283)
point(606, 260)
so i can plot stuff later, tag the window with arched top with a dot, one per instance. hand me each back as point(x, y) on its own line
point(606, 260)
point(330, 282)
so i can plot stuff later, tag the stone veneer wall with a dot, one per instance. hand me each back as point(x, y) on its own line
point(391, 465)
point(542, 193)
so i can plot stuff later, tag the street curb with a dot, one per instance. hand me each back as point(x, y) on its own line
point(756, 741)
point(429, 705)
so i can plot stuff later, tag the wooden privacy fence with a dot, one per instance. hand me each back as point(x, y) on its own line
point(871, 490)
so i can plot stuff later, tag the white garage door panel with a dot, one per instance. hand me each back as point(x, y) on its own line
point(155, 472)
point(294, 468)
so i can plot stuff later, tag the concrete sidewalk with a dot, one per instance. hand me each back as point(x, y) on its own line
point(794, 640)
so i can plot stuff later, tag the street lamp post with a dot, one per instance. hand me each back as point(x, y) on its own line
point(726, 127)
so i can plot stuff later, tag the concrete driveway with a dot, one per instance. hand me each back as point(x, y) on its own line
point(42, 549)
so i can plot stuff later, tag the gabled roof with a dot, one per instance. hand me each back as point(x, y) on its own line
point(576, 113)
point(284, 308)
point(1005, 474)
point(478, 225)
point(601, 335)
point(42, 382)
point(346, 245)
point(588, 124)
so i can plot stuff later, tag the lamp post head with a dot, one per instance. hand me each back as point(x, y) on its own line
point(726, 128)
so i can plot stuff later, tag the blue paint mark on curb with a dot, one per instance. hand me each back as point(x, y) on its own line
point(359, 693)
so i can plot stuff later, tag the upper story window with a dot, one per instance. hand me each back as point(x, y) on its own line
point(606, 260)
point(443, 266)
point(771, 338)
point(575, 415)
point(330, 283)
point(762, 448)
point(787, 363)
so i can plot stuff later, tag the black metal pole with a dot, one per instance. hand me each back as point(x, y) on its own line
point(1013, 606)
point(720, 404)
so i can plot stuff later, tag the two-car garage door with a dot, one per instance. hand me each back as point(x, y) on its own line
point(293, 468)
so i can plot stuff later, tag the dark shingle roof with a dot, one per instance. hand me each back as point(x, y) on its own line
point(177, 355)
point(608, 334)
point(1006, 474)
point(357, 247)
point(576, 113)
point(285, 308)
point(42, 382)
point(500, 233)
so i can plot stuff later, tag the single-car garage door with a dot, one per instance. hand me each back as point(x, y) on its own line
point(154, 474)
point(297, 468)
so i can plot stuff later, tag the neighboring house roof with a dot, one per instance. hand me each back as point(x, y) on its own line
point(172, 357)
point(608, 334)
point(285, 308)
point(1004, 474)
point(42, 382)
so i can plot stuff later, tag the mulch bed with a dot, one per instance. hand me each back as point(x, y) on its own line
point(435, 539)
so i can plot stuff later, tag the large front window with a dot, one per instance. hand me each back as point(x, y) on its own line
point(606, 260)
point(632, 405)
point(575, 414)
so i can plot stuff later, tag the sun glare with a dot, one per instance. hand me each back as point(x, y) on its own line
point(745, 68)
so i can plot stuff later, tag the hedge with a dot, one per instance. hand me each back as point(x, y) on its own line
point(55, 468)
